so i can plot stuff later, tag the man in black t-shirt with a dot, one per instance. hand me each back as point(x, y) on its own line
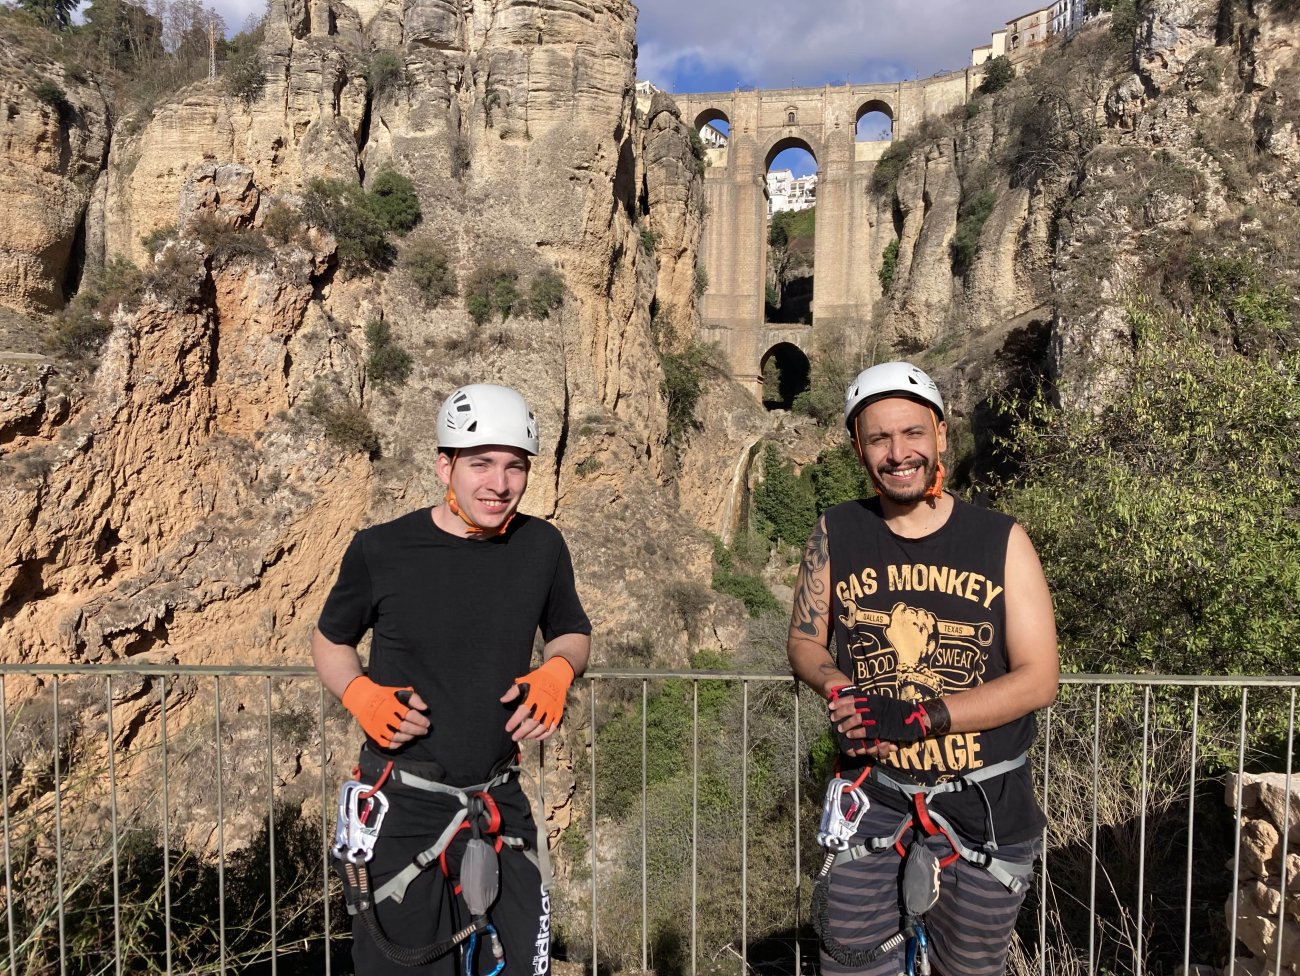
point(454, 597)
point(945, 646)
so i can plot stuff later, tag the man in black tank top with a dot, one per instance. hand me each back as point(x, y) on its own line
point(945, 646)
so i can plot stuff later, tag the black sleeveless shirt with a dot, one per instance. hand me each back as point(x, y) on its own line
point(923, 618)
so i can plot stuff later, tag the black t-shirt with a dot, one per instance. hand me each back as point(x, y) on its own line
point(455, 619)
point(923, 618)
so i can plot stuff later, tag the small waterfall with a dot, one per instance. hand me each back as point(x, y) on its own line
point(735, 497)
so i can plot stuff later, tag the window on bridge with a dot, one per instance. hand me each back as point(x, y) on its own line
point(875, 122)
point(786, 374)
point(791, 232)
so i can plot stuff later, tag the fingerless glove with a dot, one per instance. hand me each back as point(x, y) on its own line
point(379, 709)
point(544, 690)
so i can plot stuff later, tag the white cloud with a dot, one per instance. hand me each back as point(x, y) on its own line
point(769, 43)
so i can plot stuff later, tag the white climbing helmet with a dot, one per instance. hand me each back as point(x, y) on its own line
point(888, 380)
point(482, 414)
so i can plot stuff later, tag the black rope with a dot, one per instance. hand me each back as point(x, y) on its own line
point(356, 883)
point(843, 954)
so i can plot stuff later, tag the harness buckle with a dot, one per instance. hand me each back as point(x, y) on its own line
point(361, 810)
point(842, 811)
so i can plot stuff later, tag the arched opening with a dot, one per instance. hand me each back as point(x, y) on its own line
point(875, 122)
point(786, 373)
point(714, 129)
point(791, 232)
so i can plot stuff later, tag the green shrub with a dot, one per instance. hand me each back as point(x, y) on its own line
point(1165, 521)
point(649, 241)
point(345, 424)
point(888, 264)
point(587, 466)
point(154, 241)
point(393, 200)
point(281, 223)
point(838, 476)
point(971, 216)
point(479, 307)
point(546, 293)
point(998, 73)
point(684, 375)
point(80, 329)
point(783, 501)
point(389, 364)
point(884, 177)
point(344, 210)
point(385, 72)
point(701, 282)
point(426, 264)
point(54, 96)
point(492, 288)
point(698, 152)
point(244, 77)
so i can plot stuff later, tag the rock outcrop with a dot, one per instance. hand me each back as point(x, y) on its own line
point(1266, 904)
point(55, 137)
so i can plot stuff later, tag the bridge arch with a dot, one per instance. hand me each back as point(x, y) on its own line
point(873, 117)
point(711, 115)
point(779, 145)
point(786, 373)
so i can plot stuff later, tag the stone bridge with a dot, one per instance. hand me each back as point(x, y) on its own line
point(852, 230)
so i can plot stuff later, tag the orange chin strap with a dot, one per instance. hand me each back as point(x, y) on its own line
point(936, 488)
point(472, 527)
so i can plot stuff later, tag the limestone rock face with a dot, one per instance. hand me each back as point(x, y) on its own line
point(53, 152)
point(190, 501)
point(1170, 34)
point(929, 192)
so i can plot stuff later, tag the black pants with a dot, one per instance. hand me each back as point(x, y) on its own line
point(430, 910)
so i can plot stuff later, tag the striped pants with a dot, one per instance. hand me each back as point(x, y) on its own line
point(969, 928)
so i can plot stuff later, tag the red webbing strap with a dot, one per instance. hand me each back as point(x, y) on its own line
point(931, 829)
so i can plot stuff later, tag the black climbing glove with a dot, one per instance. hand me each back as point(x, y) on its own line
point(885, 719)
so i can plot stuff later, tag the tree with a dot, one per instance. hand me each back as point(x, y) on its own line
point(1166, 521)
point(998, 73)
point(56, 14)
point(128, 35)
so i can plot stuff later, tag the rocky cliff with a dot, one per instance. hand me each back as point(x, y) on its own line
point(1027, 226)
point(184, 498)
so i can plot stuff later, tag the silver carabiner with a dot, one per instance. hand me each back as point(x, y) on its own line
point(842, 811)
point(356, 827)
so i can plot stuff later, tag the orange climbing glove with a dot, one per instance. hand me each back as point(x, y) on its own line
point(378, 708)
point(544, 689)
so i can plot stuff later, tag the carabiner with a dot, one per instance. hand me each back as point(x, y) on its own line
point(843, 809)
point(357, 829)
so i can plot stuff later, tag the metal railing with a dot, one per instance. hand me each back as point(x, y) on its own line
point(177, 819)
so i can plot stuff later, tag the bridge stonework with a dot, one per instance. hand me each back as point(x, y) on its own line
point(852, 233)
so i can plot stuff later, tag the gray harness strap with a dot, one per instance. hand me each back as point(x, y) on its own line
point(395, 887)
point(1015, 876)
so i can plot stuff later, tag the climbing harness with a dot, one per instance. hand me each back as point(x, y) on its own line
point(842, 812)
point(361, 811)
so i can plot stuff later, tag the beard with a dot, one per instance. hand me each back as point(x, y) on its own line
point(911, 493)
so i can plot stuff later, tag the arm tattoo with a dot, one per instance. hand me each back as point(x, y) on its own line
point(811, 608)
